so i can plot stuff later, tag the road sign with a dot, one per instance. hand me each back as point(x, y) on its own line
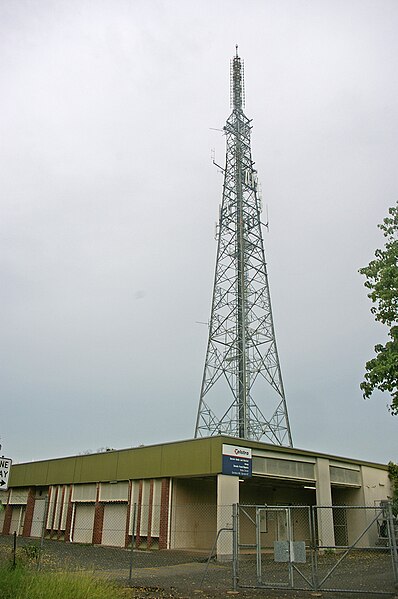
point(5, 467)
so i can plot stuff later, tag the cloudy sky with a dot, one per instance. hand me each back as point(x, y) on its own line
point(108, 201)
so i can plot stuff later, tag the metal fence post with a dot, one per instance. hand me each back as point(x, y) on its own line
point(235, 546)
point(132, 540)
point(43, 530)
point(14, 550)
point(314, 540)
point(392, 541)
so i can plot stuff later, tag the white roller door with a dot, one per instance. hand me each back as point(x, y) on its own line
point(114, 528)
point(84, 523)
point(17, 519)
point(38, 518)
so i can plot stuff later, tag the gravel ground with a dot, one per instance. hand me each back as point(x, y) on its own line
point(179, 574)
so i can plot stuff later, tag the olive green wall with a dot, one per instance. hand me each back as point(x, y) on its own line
point(183, 458)
point(195, 457)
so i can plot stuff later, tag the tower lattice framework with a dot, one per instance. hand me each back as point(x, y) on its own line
point(242, 377)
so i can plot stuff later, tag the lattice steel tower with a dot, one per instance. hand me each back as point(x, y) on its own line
point(242, 375)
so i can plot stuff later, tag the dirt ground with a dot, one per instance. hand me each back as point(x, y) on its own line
point(183, 575)
point(184, 581)
point(171, 593)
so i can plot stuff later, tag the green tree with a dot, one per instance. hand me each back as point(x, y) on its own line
point(382, 281)
point(393, 475)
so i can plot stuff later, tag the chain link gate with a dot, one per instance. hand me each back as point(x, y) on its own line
point(328, 548)
point(273, 547)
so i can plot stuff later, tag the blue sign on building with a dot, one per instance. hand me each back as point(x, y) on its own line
point(236, 461)
point(236, 466)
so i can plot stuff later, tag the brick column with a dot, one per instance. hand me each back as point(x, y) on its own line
point(7, 520)
point(4, 504)
point(98, 523)
point(30, 506)
point(164, 514)
point(98, 519)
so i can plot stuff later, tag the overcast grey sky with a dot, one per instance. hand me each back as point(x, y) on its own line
point(108, 202)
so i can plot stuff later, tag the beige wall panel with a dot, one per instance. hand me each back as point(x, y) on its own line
point(227, 495)
point(84, 522)
point(19, 496)
point(156, 505)
point(114, 528)
point(376, 485)
point(135, 489)
point(58, 507)
point(51, 506)
point(65, 504)
point(84, 492)
point(194, 513)
point(146, 488)
point(114, 491)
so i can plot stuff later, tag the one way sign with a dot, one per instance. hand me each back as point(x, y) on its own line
point(5, 466)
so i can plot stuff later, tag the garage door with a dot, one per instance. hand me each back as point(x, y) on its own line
point(38, 517)
point(114, 529)
point(17, 519)
point(84, 523)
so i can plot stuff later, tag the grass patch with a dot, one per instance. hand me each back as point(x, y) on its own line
point(22, 583)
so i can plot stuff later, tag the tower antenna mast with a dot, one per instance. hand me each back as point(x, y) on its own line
point(242, 375)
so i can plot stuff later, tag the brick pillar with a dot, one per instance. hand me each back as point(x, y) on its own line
point(4, 504)
point(164, 514)
point(98, 518)
point(98, 523)
point(7, 520)
point(150, 510)
point(30, 506)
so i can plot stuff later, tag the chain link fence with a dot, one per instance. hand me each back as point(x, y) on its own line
point(355, 548)
point(322, 548)
point(115, 541)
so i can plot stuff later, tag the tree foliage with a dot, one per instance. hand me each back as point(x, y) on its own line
point(382, 281)
point(393, 475)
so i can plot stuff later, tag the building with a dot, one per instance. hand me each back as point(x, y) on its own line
point(177, 495)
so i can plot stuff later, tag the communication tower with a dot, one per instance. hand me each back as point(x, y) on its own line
point(242, 376)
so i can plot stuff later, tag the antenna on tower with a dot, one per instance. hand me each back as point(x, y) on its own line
point(242, 378)
point(237, 82)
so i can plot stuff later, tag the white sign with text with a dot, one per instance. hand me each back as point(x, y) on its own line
point(5, 467)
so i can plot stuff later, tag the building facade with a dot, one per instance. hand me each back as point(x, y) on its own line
point(177, 495)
